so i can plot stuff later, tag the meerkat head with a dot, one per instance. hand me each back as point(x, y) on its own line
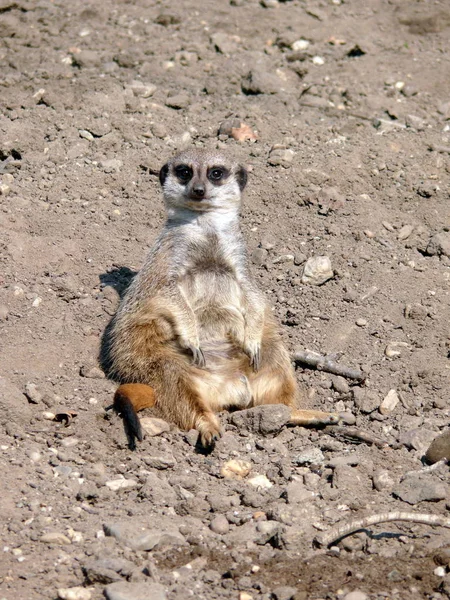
point(202, 181)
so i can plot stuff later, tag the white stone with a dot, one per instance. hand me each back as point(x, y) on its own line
point(389, 403)
point(75, 593)
point(261, 482)
point(120, 484)
point(300, 45)
point(317, 270)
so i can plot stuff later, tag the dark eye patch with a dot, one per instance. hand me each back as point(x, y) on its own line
point(184, 173)
point(217, 175)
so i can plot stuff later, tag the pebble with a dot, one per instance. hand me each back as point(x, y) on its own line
point(405, 232)
point(91, 372)
point(420, 488)
point(120, 483)
point(4, 189)
point(317, 270)
point(74, 593)
point(417, 439)
point(260, 81)
point(382, 481)
point(111, 165)
point(178, 101)
point(160, 461)
point(55, 537)
point(440, 571)
point(260, 482)
point(356, 595)
point(299, 45)
point(318, 60)
point(144, 90)
point(259, 257)
point(394, 349)
point(439, 448)
point(281, 156)
point(134, 535)
point(361, 322)
point(439, 244)
point(340, 384)
point(142, 590)
point(235, 469)
point(32, 393)
point(225, 42)
point(389, 403)
point(284, 592)
point(220, 525)
point(4, 312)
point(263, 419)
point(347, 417)
point(154, 426)
point(310, 455)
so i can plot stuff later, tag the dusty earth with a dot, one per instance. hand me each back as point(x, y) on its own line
point(350, 101)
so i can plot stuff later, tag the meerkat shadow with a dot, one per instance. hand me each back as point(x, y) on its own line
point(119, 278)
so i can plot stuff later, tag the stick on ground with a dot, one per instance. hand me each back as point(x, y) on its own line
point(337, 533)
point(356, 434)
point(323, 363)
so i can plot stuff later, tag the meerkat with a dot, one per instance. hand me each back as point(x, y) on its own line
point(193, 334)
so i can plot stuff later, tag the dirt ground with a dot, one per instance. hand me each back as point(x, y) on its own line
point(350, 101)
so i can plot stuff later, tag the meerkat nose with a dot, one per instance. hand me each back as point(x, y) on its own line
point(198, 191)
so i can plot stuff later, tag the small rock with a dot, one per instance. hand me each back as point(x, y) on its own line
point(91, 372)
point(389, 403)
point(142, 590)
point(420, 488)
point(318, 60)
point(439, 244)
point(4, 189)
point(405, 232)
point(224, 42)
point(120, 484)
point(269, 3)
point(300, 45)
point(32, 393)
point(265, 531)
point(356, 595)
point(260, 482)
point(55, 537)
point(347, 417)
point(417, 312)
point(361, 322)
point(417, 439)
point(259, 81)
point(317, 270)
point(87, 135)
point(178, 101)
point(259, 256)
point(4, 312)
point(283, 258)
point(134, 535)
point(394, 349)
point(111, 165)
point(144, 90)
point(154, 426)
point(220, 525)
point(439, 448)
point(284, 592)
point(365, 400)
point(264, 419)
point(160, 461)
point(340, 384)
point(107, 570)
point(382, 481)
point(281, 156)
point(310, 455)
point(235, 469)
point(74, 593)
point(296, 493)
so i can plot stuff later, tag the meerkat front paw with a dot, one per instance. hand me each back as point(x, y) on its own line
point(198, 358)
point(209, 429)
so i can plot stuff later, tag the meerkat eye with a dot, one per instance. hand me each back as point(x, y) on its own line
point(184, 173)
point(216, 174)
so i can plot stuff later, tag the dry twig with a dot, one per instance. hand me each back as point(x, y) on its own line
point(323, 363)
point(356, 434)
point(337, 533)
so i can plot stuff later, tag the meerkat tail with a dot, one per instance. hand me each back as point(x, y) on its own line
point(312, 418)
point(129, 399)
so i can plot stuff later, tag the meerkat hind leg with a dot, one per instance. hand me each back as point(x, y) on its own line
point(128, 400)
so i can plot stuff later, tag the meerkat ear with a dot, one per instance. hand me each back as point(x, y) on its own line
point(163, 174)
point(242, 176)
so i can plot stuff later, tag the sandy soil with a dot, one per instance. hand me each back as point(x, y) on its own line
point(350, 101)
